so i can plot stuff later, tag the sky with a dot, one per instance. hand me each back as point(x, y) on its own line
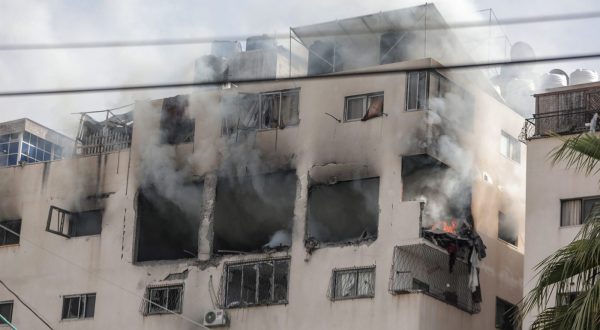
point(29, 21)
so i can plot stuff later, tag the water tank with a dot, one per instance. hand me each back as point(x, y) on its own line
point(260, 42)
point(553, 80)
point(583, 76)
point(227, 49)
point(561, 72)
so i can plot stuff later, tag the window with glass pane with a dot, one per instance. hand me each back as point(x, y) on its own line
point(164, 299)
point(417, 90)
point(588, 206)
point(576, 211)
point(510, 147)
point(355, 107)
point(353, 283)
point(79, 306)
point(9, 232)
point(289, 108)
point(6, 310)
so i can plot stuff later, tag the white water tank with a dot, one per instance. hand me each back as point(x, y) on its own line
point(553, 80)
point(583, 76)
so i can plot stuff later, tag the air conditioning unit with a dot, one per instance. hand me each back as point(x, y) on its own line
point(215, 318)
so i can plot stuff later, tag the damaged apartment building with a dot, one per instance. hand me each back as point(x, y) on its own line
point(376, 201)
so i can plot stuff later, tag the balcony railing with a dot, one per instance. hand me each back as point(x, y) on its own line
point(559, 122)
point(424, 268)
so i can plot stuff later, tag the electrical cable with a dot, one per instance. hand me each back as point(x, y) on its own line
point(23, 302)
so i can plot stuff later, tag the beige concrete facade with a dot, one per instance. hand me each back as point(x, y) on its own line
point(43, 267)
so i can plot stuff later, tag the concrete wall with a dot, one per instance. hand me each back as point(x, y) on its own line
point(44, 266)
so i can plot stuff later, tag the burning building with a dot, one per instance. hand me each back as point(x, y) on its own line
point(328, 202)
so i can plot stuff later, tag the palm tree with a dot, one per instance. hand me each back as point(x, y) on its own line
point(574, 268)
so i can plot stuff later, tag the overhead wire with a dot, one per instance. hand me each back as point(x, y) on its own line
point(25, 304)
point(146, 300)
point(358, 73)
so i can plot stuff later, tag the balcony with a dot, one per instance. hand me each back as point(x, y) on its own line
point(424, 268)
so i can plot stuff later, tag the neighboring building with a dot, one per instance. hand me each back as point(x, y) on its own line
point(25, 141)
point(349, 202)
point(558, 199)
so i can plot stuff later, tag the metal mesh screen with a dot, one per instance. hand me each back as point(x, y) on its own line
point(420, 268)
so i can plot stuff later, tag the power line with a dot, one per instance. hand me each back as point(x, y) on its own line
point(286, 79)
point(25, 304)
point(201, 40)
point(103, 279)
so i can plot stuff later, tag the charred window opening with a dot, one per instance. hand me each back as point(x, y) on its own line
point(507, 229)
point(167, 228)
point(74, 223)
point(248, 112)
point(254, 213)
point(346, 211)
point(163, 299)
point(10, 231)
point(504, 315)
point(363, 107)
point(256, 283)
point(175, 124)
point(353, 283)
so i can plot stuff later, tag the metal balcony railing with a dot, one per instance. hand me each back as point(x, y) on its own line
point(559, 122)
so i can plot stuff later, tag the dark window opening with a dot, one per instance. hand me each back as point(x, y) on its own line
point(256, 283)
point(254, 213)
point(343, 212)
point(577, 211)
point(353, 283)
point(504, 315)
point(6, 310)
point(175, 124)
point(167, 228)
point(12, 235)
point(164, 299)
point(73, 224)
point(566, 298)
point(507, 229)
point(79, 306)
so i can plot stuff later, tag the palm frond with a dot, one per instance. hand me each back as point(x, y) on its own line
point(581, 153)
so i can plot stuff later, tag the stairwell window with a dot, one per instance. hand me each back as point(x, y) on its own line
point(576, 211)
point(162, 299)
point(353, 283)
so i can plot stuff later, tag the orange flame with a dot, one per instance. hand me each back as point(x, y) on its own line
point(445, 226)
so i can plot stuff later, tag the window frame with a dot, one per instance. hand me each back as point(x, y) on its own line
point(506, 218)
point(280, 94)
point(81, 312)
point(355, 271)
point(11, 303)
point(4, 233)
point(366, 98)
point(408, 90)
point(505, 303)
point(255, 263)
point(163, 309)
point(68, 216)
point(511, 142)
point(582, 216)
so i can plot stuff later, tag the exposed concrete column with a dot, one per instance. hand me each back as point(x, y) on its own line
point(205, 230)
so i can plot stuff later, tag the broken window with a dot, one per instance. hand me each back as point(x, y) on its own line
point(6, 310)
point(363, 107)
point(256, 283)
point(245, 113)
point(164, 299)
point(353, 283)
point(175, 124)
point(510, 147)
point(167, 226)
point(73, 224)
point(577, 211)
point(504, 315)
point(254, 213)
point(10, 231)
point(344, 211)
point(79, 306)
point(507, 229)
